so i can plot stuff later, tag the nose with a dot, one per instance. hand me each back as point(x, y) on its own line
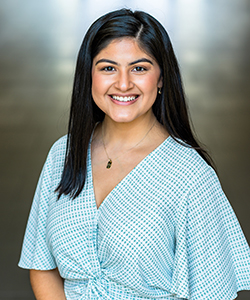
point(124, 82)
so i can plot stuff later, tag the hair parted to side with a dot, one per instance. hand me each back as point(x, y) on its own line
point(169, 108)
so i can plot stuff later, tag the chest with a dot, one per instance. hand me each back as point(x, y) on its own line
point(135, 216)
point(106, 179)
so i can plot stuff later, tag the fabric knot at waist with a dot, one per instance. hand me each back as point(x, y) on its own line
point(96, 287)
point(90, 286)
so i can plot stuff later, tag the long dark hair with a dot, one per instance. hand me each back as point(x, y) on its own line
point(169, 108)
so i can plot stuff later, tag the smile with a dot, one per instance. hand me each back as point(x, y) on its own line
point(124, 99)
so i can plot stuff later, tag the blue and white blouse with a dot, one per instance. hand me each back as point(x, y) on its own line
point(166, 231)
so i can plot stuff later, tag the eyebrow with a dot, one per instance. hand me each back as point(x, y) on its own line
point(130, 64)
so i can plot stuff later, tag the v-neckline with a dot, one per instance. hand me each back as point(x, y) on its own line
point(90, 170)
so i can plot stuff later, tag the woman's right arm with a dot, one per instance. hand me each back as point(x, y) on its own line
point(47, 285)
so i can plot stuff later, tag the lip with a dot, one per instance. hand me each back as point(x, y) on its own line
point(124, 103)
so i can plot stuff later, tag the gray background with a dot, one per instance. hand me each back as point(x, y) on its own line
point(39, 41)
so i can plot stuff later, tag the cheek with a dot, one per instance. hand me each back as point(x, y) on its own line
point(96, 84)
point(100, 85)
point(99, 90)
point(149, 84)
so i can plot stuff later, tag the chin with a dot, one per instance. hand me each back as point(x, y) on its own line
point(122, 119)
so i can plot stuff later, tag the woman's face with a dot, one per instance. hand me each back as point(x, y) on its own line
point(125, 81)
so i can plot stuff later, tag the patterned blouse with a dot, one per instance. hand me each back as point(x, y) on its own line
point(166, 231)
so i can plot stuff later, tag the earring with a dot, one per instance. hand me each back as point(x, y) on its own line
point(159, 91)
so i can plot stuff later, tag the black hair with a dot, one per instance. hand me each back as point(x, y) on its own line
point(169, 107)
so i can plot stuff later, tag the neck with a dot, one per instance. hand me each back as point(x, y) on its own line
point(126, 134)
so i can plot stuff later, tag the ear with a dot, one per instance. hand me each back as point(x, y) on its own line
point(160, 82)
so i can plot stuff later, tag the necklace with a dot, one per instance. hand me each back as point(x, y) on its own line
point(109, 163)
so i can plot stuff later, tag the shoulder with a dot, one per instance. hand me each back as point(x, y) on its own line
point(181, 166)
point(59, 147)
point(56, 156)
point(182, 163)
point(58, 150)
point(195, 176)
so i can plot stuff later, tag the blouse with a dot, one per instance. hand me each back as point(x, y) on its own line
point(166, 231)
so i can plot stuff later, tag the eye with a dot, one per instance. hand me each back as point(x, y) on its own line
point(139, 69)
point(108, 69)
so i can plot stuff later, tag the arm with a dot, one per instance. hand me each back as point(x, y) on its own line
point(47, 285)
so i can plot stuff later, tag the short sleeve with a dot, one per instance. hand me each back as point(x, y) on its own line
point(212, 255)
point(35, 251)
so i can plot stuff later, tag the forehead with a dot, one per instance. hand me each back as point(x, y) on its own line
point(124, 48)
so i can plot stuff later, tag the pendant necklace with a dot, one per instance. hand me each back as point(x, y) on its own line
point(109, 163)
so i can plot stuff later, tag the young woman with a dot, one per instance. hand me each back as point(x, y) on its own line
point(128, 205)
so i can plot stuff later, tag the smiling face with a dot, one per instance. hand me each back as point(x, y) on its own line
point(125, 81)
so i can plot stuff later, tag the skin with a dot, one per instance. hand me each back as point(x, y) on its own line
point(124, 125)
point(115, 72)
point(123, 69)
point(47, 285)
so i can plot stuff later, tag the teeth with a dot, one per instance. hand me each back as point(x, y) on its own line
point(124, 99)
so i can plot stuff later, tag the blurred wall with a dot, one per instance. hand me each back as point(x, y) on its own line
point(39, 41)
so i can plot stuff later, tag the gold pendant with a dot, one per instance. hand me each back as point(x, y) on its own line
point(109, 164)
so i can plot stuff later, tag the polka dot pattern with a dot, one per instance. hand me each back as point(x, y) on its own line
point(166, 231)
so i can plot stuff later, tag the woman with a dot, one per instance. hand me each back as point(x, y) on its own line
point(128, 205)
